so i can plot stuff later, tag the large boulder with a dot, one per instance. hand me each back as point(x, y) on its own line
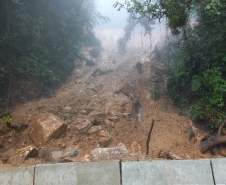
point(46, 126)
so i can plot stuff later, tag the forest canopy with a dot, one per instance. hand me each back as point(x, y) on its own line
point(41, 39)
point(194, 54)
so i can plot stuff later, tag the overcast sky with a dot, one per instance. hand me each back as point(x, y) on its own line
point(118, 18)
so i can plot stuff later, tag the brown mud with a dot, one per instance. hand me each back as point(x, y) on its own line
point(112, 86)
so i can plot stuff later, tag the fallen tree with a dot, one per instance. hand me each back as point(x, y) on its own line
point(215, 140)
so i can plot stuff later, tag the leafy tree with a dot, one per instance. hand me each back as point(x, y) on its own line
point(195, 55)
point(41, 39)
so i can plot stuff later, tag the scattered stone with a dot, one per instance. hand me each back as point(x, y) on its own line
point(88, 110)
point(10, 140)
point(187, 156)
point(52, 155)
point(108, 152)
point(109, 124)
point(94, 129)
point(105, 141)
point(76, 71)
point(69, 110)
point(83, 125)
point(69, 156)
point(9, 153)
point(96, 113)
point(83, 112)
point(23, 154)
point(80, 120)
point(215, 151)
point(173, 156)
point(85, 157)
point(223, 151)
point(62, 145)
point(45, 127)
point(68, 127)
point(4, 129)
point(114, 119)
point(125, 115)
point(103, 133)
point(87, 160)
point(97, 121)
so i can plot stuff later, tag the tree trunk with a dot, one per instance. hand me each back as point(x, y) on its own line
point(216, 140)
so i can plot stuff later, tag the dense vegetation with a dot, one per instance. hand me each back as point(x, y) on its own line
point(41, 39)
point(195, 55)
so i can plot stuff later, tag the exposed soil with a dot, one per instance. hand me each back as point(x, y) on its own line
point(108, 86)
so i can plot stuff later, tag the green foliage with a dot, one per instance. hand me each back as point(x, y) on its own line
point(91, 40)
point(41, 39)
point(196, 82)
point(195, 56)
point(7, 118)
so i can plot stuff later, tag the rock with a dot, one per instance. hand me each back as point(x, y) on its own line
point(215, 151)
point(173, 156)
point(87, 160)
point(80, 120)
point(187, 156)
point(69, 110)
point(4, 129)
point(68, 127)
point(223, 151)
point(103, 133)
point(9, 153)
point(94, 129)
point(52, 155)
point(83, 112)
point(69, 156)
point(108, 152)
point(109, 124)
point(10, 140)
point(23, 154)
point(97, 113)
point(76, 71)
point(105, 141)
point(62, 145)
point(97, 121)
point(83, 125)
point(85, 157)
point(114, 119)
point(125, 115)
point(88, 110)
point(45, 127)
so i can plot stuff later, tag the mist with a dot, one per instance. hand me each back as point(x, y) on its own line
point(117, 18)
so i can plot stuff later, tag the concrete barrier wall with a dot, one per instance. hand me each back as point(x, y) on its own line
point(188, 172)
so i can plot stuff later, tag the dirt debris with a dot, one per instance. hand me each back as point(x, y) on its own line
point(105, 103)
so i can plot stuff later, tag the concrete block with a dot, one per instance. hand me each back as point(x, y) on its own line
point(102, 173)
point(143, 173)
point(60, 174)
point(189, 172)
point(219, 171)
point(17, 176)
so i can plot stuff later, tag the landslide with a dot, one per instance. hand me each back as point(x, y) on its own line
point(113, 85)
